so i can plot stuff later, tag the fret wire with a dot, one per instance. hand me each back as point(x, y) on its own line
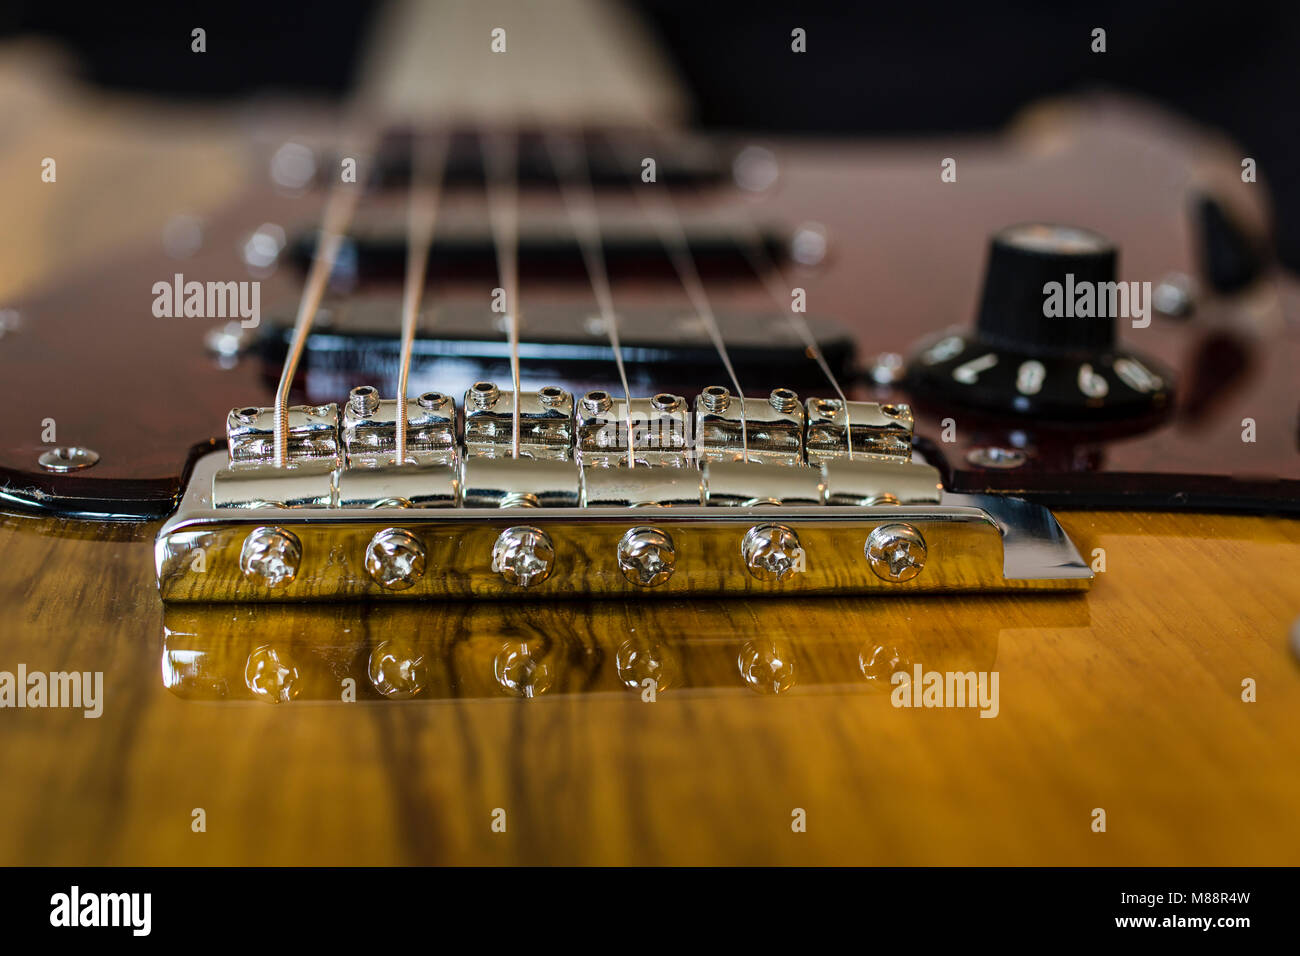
point(571, 169)
point(501, 158)
point(773, 280)
point(428, 163)
point(339, 208)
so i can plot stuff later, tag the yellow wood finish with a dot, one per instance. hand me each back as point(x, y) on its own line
point(1127, 698)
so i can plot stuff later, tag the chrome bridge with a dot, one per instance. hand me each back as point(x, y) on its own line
point(592, 496)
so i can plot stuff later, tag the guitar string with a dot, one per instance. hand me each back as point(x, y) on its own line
point(501, 159)
point(428, 165)
point(658, 206)
point(339, 208)
point(773, 279)
point(568, 159)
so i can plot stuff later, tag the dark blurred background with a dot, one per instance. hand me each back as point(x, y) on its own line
point(871, 68)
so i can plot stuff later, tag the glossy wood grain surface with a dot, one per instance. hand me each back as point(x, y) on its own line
point(1127, 698)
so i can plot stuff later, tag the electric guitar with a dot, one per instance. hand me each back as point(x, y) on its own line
point(582, 488)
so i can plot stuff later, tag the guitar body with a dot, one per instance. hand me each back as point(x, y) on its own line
point(1127, 698)
point(748, 730)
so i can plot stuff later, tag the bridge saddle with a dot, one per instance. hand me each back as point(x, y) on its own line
point(605, 496)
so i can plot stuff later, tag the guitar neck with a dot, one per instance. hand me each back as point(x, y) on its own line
point(564, 63)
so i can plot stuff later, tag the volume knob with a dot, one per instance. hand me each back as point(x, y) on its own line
point(1044, 341)
point(1033, 273)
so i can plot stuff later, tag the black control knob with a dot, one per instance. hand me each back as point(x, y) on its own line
point(1044, 341)
point(1033, 274)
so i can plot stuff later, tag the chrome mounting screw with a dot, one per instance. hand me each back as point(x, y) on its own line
point(524, 556)
point(896, 552)
point(646, 557)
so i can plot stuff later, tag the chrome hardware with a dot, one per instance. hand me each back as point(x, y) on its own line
point(482, 395)
point(395, 559)
point(850, 483)
point(313, 436)
point(646, 557)
point(410, 486)
point(973, 542)
point(772, 552)
point(545, 423)
point(363, 401)
point(350, 522)
point(309, 485)
point(67, 458)
point(896, 551)
point(253, 480)
point(270, 556)
point(519, 483)
point(993, 457)
point(715, 399)
point(770, 430)
point(641, 487)
point(748, 484)
point(596, 402)
point(369, 430)
point(881, 432)
point(523, 556)
point(660, 426)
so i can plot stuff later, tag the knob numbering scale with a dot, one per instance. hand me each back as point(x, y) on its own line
point(1044, 343)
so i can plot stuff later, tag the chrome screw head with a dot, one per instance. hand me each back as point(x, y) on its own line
point(896, 551)
point(552, 396)
point(772, 552)
point(483, 394)
point(716, 398)
point(666, 402)
point(363, 400)
point(271, 556)
point(395, 559)
point(67, 458)
point(646, 557)
point(431, 400)
point(993, 457)
point(783, 400)
point(596, 402)
point(524, 556)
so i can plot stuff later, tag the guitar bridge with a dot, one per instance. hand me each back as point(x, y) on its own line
point(604, 498)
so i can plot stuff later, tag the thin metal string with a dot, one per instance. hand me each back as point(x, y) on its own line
point(501, 160)
point(660, 210)
point(569, 160)
point(339, 208)
point(428, 162)
point(751, 243)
